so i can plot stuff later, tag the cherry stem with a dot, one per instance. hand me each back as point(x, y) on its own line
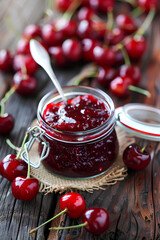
point(71, 9)
point(22, 146)
point(137, 12)
point(69, 227)
point(89, 75)
point(110, 20)
point(125, 54)
point(12, 145)
point(142, 149)
point(139, 90)
point(59, 214)
point(146, 22)
point(4, 100)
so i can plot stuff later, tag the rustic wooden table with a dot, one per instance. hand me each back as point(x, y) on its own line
point(133, 204)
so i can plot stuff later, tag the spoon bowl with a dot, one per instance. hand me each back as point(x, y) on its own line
point(41, 56)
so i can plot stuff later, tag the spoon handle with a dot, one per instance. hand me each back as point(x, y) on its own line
point(52, 76)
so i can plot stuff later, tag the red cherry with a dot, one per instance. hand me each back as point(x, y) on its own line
point(135, 158)
point(103, 56)
point(6, 124)
point(126, 23)
point(21, 61)
point(72, 49)
point(135, 46)
point(23, 46)
point(51, 36)
point(63, 5)
point(119, 86)
point(25, 85)
point(88, 45)
point(147, 5)
point(74, 203)
point(57, 55)
point(97, 220)
point(119, 58)
point(68, 27)
point(84, 29)
point(11, 167)
point(131, 71)
point(6, 60)
point(32, 31)
point(115, 36)
point(102, 5)
point(105, 76)
point(25, 189)
point(85, 13)
point(98, 29)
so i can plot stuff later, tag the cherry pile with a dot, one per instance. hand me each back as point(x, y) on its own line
point(16, 170)
point(95, 220)
point(87, 31)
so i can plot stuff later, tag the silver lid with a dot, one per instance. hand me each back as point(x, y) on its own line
point(139, 120)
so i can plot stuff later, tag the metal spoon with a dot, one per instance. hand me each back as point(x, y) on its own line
point(41, 56)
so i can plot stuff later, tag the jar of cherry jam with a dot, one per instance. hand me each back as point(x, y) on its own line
point(80, 133)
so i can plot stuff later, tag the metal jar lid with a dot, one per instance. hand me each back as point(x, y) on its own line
point(139, 120)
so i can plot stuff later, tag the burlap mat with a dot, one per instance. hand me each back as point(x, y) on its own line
point(49, 182)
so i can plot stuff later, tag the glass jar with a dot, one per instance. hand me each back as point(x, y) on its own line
point(82, 154)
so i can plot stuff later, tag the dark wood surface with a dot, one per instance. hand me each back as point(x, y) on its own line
point(133, 204)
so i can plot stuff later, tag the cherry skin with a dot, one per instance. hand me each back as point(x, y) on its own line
point(25, 189)
point(21, 61)
point(68, 27)
point(11, 167)
point(63, 5)
point(6, 124)
point(103, 57)
point(32, 31)
point(6, 60)
point(126, 23)
point(74, 203)
point(97, 220)
point(131, 71)
point(57, 55)
point(25, 85)
point(72, 49)
point(85, 13)
point(98, 29)
point(105, 76)
point(147, 5)
point(115, 36)
point(51, 36)
point(135, 46)
point(119, 59)
point(84, 29)
point(102, 5)
point(119, 86)
point(23, 46)
point(88, 45)
point(135, 158)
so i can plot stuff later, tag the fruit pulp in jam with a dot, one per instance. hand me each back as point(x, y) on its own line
point(79, 159)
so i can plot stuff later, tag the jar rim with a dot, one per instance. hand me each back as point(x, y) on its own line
point(80, 90)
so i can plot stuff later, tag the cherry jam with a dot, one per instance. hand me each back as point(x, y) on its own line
point(81, 134)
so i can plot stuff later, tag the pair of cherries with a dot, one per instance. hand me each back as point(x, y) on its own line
point(16, 170)
point(95, 220)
